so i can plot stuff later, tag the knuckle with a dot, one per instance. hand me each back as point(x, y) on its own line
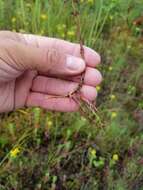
point(5, 34)
point(76, 49)
point(52, 57)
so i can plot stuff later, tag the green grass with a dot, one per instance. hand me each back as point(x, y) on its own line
point(68, 151)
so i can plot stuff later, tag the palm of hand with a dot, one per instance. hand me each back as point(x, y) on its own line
point(13, 94)
point(24, 83)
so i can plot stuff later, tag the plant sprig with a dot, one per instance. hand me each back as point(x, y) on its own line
point(84, 104)
point(87, 104)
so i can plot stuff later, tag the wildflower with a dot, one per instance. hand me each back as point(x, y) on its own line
point(14, 152)
point(91, 155)
point(41, 32)
point(43, 16)
point(129, 46)
point(93, 152)
point(113, 114)
point(98, 88)
point(115, 157)
point(13, 20)
point(90, 1)
point(112, 97)
point(110, 68)
point(50, 123)
point(61, 27)
point(71, 33)
point(111, 17)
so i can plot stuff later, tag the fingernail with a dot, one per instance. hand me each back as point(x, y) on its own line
point(74, 63)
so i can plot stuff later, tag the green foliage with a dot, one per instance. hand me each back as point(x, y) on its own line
point(44, 150)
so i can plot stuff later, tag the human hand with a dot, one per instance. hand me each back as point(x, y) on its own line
point(41, 71)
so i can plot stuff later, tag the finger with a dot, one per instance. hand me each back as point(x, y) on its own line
point(22, 87)
point(5, 34)
point(92, 58)
point(53, 86)
point(92, 77)
point(60, 87)
point(51, 103)
point(88, 92)
point(23, 57)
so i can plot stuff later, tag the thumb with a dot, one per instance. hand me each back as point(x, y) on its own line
point(53, 61)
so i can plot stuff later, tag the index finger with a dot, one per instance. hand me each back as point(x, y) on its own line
point(92, 58)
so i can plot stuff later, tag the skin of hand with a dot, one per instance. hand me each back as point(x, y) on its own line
point(40, 71)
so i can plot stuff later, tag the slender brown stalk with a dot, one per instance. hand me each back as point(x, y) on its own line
point(84, 104)
point(90, 106)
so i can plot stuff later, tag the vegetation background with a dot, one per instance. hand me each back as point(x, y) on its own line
point(42, 150)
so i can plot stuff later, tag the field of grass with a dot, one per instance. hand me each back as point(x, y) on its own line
point(42, 150)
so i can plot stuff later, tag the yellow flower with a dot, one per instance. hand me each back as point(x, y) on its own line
point(13, 20)
point(115, 157)
point(14, 152)
point(41, 32)
point(129, 46)
point(113, 97)
point(90, 1)
point(110, 68)
point(93, 152)
point(43, 16)
point(111, 17)
point(71, 33)
point(114, 114)
point(50, 123)
point(98, 88)
point(61, 27)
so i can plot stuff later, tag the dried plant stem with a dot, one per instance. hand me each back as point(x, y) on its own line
point(76, 15)
point(78, 100)
point(83, 103)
